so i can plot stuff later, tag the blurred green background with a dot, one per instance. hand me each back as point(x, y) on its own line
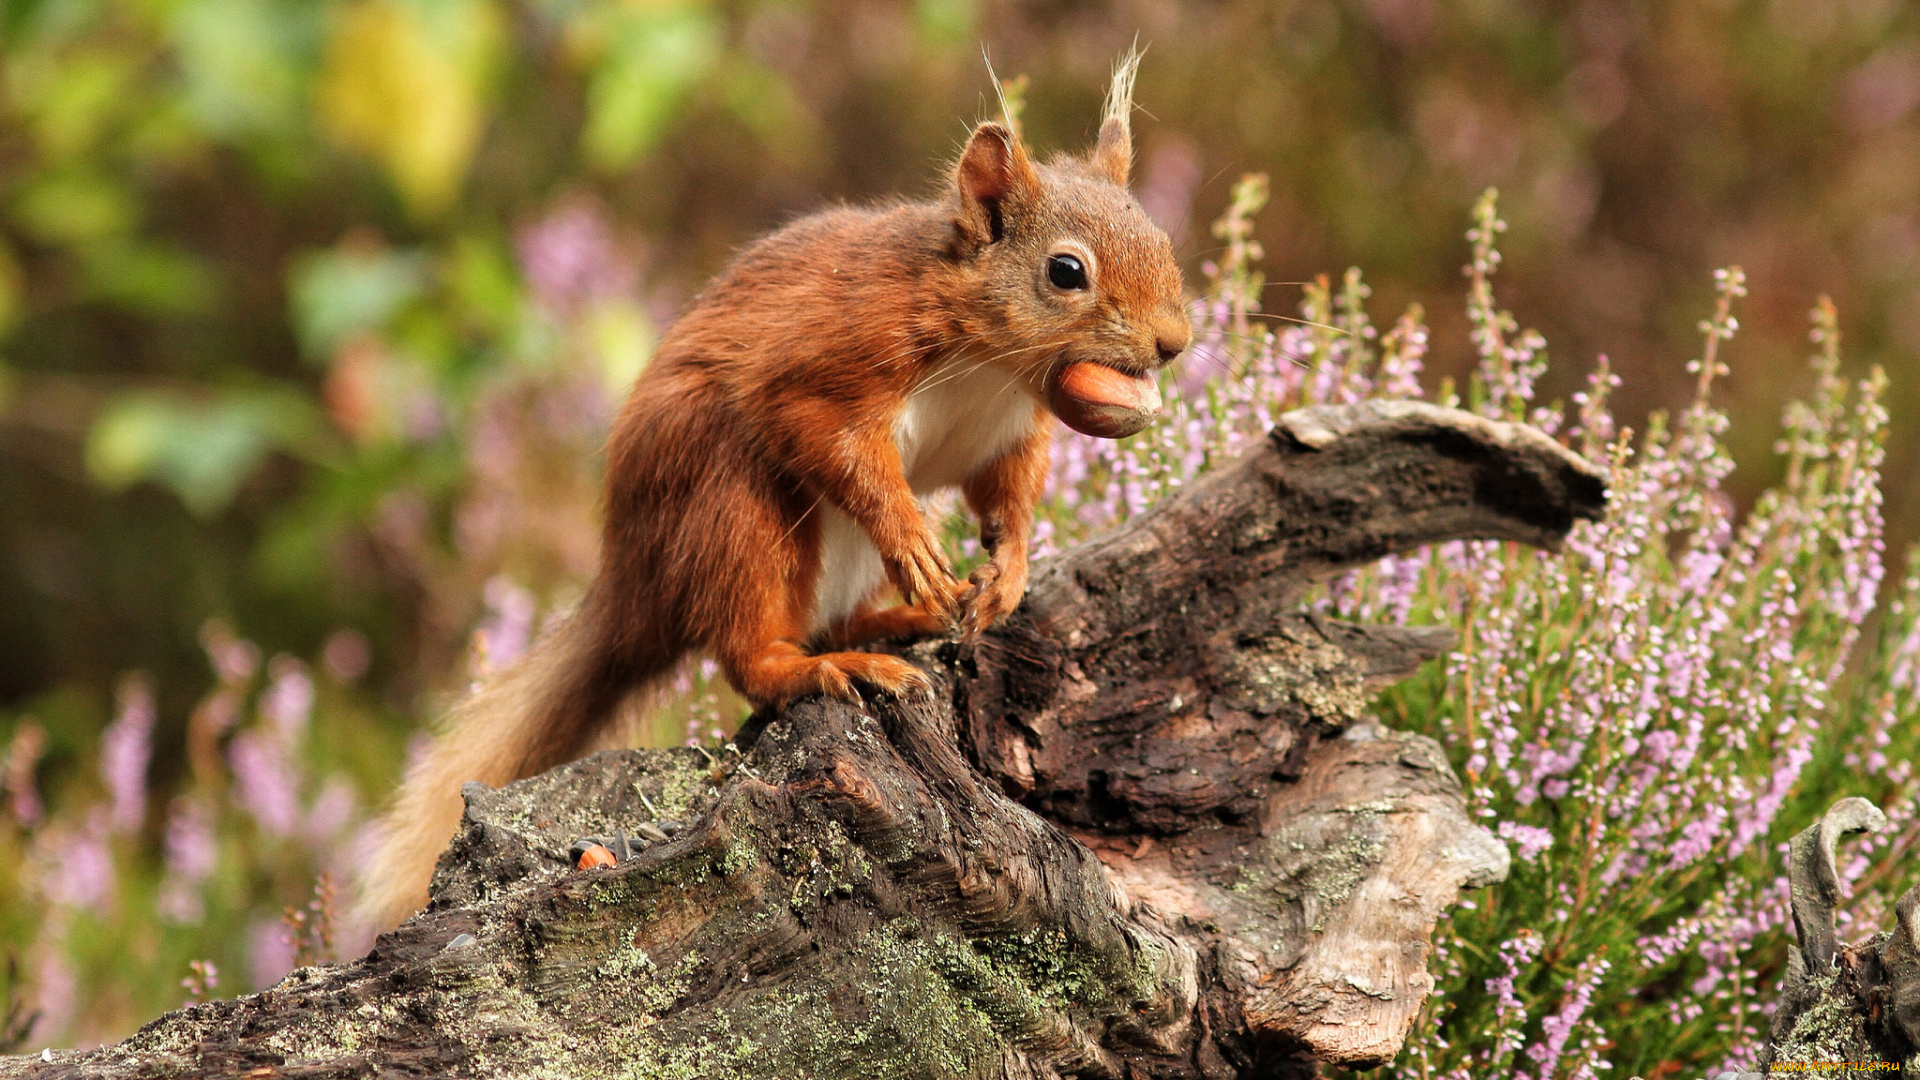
point(313, 312)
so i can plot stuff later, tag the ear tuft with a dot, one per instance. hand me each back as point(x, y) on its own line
point(1112, 156)
point(992, 170)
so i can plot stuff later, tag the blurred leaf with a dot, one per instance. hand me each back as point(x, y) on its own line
point(484, 284)
point(76, 208)
point(944, 24)
point(761, 100)
point(11, 302)
point(651, 60)
point(347, 290)
point(73, 99)
point(203, 450)
point(242, 63)
point(622, 339)
point(45, 23)
point(405, 81)
point(166, 134)
point(153, 278)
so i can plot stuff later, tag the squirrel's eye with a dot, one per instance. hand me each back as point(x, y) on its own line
point(1066, 272)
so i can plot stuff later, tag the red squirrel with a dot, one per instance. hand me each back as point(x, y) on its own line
point(764, 478)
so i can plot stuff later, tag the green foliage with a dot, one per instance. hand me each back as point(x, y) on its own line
point(202, 450)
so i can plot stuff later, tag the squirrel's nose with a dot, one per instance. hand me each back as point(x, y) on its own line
point(1172, 343)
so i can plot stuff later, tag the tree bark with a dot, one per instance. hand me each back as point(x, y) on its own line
point(1144, 828)
point(1856, 1002)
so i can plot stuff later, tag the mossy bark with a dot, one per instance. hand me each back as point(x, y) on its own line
point(1145, 828)
point(1845, 1003)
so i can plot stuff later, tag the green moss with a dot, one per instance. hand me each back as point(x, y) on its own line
point(1048, 966)
point(683, 786)
point(739, 857)
point(914, 1020)
point(906, 1019)
point(1829, 1031)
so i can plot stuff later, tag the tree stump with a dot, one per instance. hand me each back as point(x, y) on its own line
point(1144, 828)
point(1842, 1003)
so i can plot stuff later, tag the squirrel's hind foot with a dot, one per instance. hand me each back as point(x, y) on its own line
point(780, 676)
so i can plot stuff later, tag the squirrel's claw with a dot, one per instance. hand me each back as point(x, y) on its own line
point(997, 589)
point(924, 580)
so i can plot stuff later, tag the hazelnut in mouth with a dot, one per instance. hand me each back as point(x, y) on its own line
point(1105, 402)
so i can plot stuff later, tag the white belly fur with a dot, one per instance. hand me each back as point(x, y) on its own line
point(949, 428)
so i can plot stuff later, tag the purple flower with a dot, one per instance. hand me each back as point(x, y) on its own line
point(1169, 177)
point(1510, 1013)
point(125, 750)
point(270, 951)
point(333, 810)
point(570, 260)
point(507, 628)
point(56, 986)
point(234, 659)
point(191, 846)
point(265, 781)
point(192, 851)
point(288, 700)
point(1531, 839)
point(77, 869)
point(1559, 1027)
point(17, 775)
point(346, 655)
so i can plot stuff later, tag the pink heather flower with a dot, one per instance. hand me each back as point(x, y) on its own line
point(332, 811)
point(234, 659)
point(1510, 1013)
point(125, 750)
point(570, 260)
point(288, 700)
point(56, 986)
point(265, 781)
point(192, 851)
point(191, 846)
point(1593, 422)
point(1402, 356)
point(1698, 836)
point(77, 869)
point(17, 774)
point(270, 951)
point(1530, 839)
point(346, 655)
point(1559, 1027)
point(1168, 179)
point(507, 629)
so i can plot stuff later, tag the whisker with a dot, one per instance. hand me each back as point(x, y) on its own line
point(1302, 322)
point(797, 522)
point(949, 375)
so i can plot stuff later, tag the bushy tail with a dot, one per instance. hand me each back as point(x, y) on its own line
point(544, 710)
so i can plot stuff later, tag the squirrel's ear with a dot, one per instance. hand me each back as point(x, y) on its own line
point(1112, 156)
point(993, 169)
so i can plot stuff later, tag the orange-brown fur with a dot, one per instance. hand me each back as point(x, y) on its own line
point(800, 392)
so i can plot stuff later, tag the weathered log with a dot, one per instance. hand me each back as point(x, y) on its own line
point(1857, 1002)
point(1145, 828)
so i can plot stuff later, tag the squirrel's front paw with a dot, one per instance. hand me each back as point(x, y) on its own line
point(924, 580)
point(997, 590)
